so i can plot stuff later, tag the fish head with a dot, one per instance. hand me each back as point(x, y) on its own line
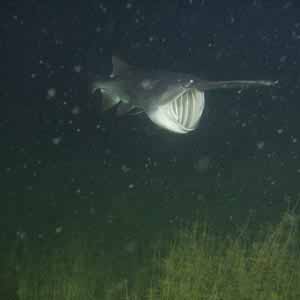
point(179, 109)
point(111, 92)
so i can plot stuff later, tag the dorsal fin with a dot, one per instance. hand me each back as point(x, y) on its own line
point(119, 66)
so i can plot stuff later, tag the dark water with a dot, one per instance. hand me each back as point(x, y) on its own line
point(65, 165)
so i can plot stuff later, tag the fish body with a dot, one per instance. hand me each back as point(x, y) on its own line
point(173, 101)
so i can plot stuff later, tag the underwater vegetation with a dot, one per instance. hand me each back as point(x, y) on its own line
point(196, 263)
point(201, 265)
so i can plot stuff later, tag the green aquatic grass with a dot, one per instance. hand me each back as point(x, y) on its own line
point(196, 264)
point(201, 265)
point(65, 271)
point(70, 266)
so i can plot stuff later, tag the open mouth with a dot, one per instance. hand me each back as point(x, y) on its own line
point(186, 109)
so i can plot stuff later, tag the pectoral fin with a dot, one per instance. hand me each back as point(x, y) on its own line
point(106, 100)
point(127, 109)
point(123, 109)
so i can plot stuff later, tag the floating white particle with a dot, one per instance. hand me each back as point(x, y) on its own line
point(131, 186)
point(125, 169)
point(98, 29)
point(58, 229)
point(33, 75)
point(57, 140)
point(130, 247)
point(77, 68)
point(110, 219)
point(44, 30)
point(128, 5)
point(295, 35)
point(21, 235)
point(51, 93)
point(103, 8)
point(283, 59)
point(40, 236)
point(280, 131)
point(202, 164)
point(92, 211)
point(287, 5)
point(260, 145)
point(59, 42)
point(75, 110)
